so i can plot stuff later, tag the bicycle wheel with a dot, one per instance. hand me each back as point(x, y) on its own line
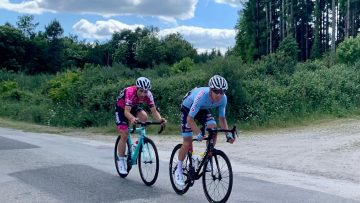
point(127, 157)
point(148, 160)
point(217, 182)
point(172, 168)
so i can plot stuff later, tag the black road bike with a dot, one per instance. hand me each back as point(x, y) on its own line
point(217, 179)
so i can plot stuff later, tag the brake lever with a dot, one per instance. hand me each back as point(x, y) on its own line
point(161, 128)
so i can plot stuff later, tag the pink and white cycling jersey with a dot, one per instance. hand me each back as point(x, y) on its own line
point(128, 97)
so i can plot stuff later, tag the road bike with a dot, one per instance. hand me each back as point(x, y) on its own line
point(142, 152)
point(217, 179)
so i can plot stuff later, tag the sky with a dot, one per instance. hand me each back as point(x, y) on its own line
point(206, 24)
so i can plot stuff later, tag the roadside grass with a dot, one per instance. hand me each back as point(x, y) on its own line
point(108, 130)
point(175, 129)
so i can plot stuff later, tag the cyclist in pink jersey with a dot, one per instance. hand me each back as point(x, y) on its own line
point(127, 109)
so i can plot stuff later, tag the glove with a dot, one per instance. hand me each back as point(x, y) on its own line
point(230, 138)
point(199, 137)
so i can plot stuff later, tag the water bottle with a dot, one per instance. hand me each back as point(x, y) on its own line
point(134, 146)
point(195, 160)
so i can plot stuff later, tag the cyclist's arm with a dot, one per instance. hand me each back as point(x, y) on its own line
point(223, 123)
point(128, 115)
point(222, 118)
point(155, 114)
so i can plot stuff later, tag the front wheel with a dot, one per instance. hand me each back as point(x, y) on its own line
point(172, 170)
point(148, 160)
point(218, 180)
point(127, 157)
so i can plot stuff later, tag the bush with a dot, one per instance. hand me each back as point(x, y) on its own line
point(183, 66)
point(7, 86)
point(348, 51)
point(289, 47)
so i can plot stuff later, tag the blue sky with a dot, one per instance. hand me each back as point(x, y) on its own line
point(206, 24)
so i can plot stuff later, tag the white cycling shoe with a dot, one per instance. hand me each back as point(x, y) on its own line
point(179, 178)
point(122, 167)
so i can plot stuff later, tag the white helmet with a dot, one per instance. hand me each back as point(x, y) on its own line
point(143, 83)
point(218, 82)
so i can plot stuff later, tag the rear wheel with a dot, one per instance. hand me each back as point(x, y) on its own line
point(172, 170)
point(218, 181)
point(148, 160)
point(126, 156)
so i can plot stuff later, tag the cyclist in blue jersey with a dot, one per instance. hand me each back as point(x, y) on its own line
point(196, 105)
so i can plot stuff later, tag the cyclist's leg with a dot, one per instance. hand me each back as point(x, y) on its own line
point(186, 133)
point(207, 120)
point(122, 126)
point(187, 144)
point(140, 113)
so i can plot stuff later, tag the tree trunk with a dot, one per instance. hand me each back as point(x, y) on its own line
point(306, 31)
point(333, 44)
point(271, 32)
point(282, 19)
point(347, 25)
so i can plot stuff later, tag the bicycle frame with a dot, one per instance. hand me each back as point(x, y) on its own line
point(197, 173)
point(134, 153)
point(142, 134)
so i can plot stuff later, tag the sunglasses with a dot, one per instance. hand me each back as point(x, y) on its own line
point(143, 91)
point(218, 91)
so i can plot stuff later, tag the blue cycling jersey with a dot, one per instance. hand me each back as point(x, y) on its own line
point(199, 98)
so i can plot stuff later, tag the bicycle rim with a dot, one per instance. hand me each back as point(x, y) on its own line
point(148, 160)
point(217, 183)
point(172, 168)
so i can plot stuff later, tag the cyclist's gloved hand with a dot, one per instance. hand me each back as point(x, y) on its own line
point(199, 137)
point(134, 120)
point(230, 138)
point(163, 120)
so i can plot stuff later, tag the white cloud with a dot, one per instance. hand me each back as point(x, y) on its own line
point(203, 39)
point(30, 7)
point(233, 3)
point(169, 9)
point(101, 29)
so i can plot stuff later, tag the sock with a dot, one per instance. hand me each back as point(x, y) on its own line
point(179, 166)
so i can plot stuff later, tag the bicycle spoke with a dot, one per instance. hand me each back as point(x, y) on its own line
point(218, 183)
point(148, 162)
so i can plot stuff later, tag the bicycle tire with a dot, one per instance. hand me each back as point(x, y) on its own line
point(127, 157)
point(217, 176)
point(172, 168)
point(143, 161)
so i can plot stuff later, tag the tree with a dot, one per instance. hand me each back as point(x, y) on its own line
point(126, 41)
point(289, 47)
point(12, 48)
point(176, 48)
point(26, 25)
point(55, 51)
point(54, 30)
point(148, 51)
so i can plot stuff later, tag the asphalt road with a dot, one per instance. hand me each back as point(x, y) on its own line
point(53, 168)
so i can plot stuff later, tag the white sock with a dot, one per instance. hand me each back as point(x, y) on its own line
point(121, 158)
point(179, 165)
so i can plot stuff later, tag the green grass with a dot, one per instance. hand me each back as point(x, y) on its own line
point(174, 129)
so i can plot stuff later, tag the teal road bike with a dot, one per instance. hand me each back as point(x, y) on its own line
point(142, 152)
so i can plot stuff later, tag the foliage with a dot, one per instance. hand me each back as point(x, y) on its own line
point(289, 47)
point(183, 66)
point(349, 50)
point(64, 86)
